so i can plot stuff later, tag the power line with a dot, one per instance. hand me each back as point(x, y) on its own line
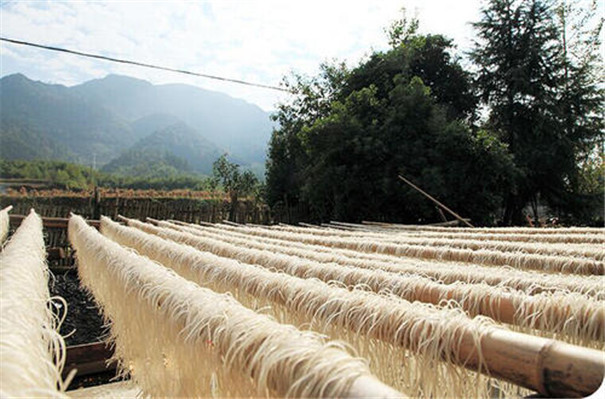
point(141, 64)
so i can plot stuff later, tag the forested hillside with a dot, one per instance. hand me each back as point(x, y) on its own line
point(101, 120)
point(189, 152)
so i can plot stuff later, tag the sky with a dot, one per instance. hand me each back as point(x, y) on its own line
point(256, 40)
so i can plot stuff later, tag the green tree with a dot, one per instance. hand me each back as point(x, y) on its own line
point(407, 110)
point(286, 156)
point(236, 184)
point(540, 104)
point(581, 102)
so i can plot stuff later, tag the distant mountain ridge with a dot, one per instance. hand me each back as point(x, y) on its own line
point(111, 119)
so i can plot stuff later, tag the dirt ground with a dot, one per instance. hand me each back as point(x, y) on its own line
point(83, 323)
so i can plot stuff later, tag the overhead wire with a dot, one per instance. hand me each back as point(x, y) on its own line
point(140, 64)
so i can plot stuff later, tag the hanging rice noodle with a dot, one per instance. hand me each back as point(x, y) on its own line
point(598, 237)
point(177, 339)
point(571, 317)
point(590, 251)
point(493, 230)
point(360, 317)
point(546, 263)
point(530, 282)
point(4, 223)
point(31, 349)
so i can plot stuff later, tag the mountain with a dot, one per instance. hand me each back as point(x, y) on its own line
point(16, 143)
point(106, 118)
point(175, 149)
point(62, 118)
point(239, 127)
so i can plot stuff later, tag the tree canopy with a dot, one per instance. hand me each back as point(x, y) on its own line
point(347, 134)
point(544, 98)
point(234, 182)
point(487, 143)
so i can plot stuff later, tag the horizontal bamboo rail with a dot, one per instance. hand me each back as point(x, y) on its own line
point(498, 304)
point(550, 367)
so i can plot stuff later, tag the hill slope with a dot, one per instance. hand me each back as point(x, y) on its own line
point(104, 117)
point(243, 129)
point(174, 149)
point(51, 116)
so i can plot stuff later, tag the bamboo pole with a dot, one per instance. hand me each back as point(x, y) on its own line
point(460, 218)
point(498, 305)
point(550, 367)
point(230, 223)
point(370, 387)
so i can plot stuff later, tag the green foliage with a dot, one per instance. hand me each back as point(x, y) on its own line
point(149, 163)
point(70, 176)
point(57, 173)
point(286, 156)
point(235, 183)
point(231, 179)
point(544, 96)
point(346, 136)
point(402, 29)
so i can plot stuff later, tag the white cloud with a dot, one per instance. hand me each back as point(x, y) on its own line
point(256, 40)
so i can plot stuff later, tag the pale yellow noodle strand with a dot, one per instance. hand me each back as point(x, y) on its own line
point(376, 325)
point(31, 349)
point(532, 312)
point(178, 339)
point(528, 281)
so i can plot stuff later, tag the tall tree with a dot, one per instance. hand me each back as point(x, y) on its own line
point(235, 183)
point(346, 135)
point(524, 77)
point(286, 156)
point(581, 103)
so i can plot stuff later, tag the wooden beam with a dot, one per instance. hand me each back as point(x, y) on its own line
point(49, 222)
point(88, 359)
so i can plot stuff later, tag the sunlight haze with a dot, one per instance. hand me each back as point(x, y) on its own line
point(256, 41)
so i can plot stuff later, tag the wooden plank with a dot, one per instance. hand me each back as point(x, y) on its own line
point(50, 222)
point(88, 359)
point(55, 254)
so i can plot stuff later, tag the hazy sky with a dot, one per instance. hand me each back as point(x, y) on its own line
point(259, 41)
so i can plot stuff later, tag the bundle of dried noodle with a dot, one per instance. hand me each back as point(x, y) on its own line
point(178, 339)
point(31, 349)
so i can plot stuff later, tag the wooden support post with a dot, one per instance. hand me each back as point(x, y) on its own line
point(460, 218)
point(441, 214)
